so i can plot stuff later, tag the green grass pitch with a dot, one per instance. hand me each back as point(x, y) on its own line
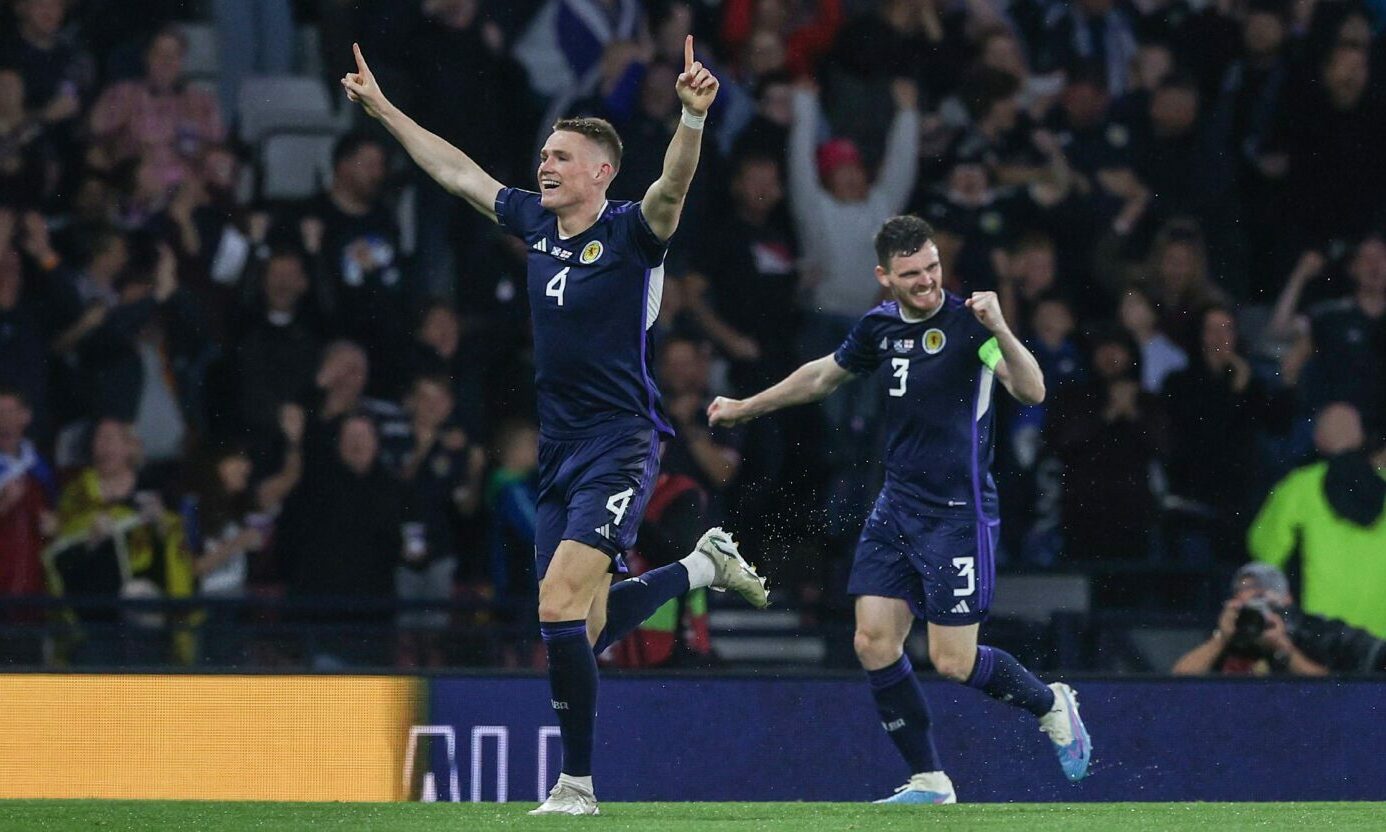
point(155, 816)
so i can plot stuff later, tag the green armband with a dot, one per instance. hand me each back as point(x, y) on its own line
point(990, 353)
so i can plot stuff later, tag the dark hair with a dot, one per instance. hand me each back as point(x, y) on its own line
point(347, 146)
point(901, 237)
point(171, 30)
point(14, 393)
point(598, 130)
point(985, 87)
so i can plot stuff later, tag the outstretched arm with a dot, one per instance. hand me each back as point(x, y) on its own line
point(1017, 370)
point(663, 202)
point(448, 166)
point(810, 383)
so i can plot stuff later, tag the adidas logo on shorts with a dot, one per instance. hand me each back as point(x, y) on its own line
point(961, 607)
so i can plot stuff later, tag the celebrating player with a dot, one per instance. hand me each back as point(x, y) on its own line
point(926, 550)
point(595, 277)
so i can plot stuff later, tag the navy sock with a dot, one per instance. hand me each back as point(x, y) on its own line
point(905, 714)
point(573, 681)
point(635, 599)
point(999, 675)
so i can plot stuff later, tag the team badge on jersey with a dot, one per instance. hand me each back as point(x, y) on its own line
point(934, 340)
point(590, 253)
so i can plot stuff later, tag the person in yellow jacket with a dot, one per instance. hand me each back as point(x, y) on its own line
point(117, 539)
point(1332, 512)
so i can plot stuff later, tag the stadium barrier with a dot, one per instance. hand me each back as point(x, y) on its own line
point(677, 738)
point(778, 739)
point(319, 738)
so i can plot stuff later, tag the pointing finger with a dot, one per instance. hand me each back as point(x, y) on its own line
point(688, 53)
point(360, 59)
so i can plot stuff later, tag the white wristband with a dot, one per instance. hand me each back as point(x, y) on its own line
point(693, 122)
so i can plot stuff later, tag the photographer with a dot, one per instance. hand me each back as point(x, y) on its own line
point(1261, 632)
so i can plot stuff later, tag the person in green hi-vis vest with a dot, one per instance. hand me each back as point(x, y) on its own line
point(1332, 512)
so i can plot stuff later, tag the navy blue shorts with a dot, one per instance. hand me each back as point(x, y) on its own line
point(594, 491)
point(944, 567)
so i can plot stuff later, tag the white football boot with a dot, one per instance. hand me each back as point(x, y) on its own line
point(568, 798)
point(732, 571)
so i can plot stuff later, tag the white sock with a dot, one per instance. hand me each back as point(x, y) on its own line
point(584, 783)
point(701, 572)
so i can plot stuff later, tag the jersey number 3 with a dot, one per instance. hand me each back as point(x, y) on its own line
point(558, 284)
point(901, 366)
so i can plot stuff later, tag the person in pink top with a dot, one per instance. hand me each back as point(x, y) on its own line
point(157, 118)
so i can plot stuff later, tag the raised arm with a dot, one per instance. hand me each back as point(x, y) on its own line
point(812, 382)
point(448, 166)
point(663, 203)
point(1017, 368)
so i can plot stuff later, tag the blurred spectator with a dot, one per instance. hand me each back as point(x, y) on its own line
point(26, 316)
point(512, 499)
point(838, 209)
point(1218, 409)
point(1159, 355)
point(767, 133)
point(1172, 156)
point(1090, 33)
point(894, 40)
point(456, 40)
point(442, 477)
point(1261, 632)
point(277, 352)
point(341, 386)
point(1332, 512)
point(158, 118)
point(57, 73)
point(807, 28)
point(254, 37)
point(752, 269)
point(27, 491)
point(26, 159)
point(340, 537)
point(1176, 274)
point(1342, 340)
point(355, 240)
point(710, 456)
point(1328, 145)
point(131, 343)
point(116, 539)
point(1108, 433)
point(1029, 467)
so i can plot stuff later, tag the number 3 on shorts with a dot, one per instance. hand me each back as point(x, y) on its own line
point(617, 505)
point(967, 568)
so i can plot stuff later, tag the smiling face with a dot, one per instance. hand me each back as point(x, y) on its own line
point(915, 280)
point(573, 170)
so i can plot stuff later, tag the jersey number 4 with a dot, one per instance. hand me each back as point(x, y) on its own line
point(901, 366)
point(618, 503)
point(558, 284)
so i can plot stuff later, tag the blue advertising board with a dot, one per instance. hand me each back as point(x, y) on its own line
point(795, 739)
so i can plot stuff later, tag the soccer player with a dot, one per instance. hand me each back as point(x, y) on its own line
point(927, 547)
point(595, 276)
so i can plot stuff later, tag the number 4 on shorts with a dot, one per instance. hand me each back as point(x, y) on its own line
point(617, 505)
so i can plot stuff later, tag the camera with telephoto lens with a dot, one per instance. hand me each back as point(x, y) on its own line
point(1251, 623)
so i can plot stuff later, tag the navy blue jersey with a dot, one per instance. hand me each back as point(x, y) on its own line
point(938, 378)
point(593, 298)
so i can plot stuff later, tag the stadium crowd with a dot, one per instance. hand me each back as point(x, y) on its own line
point(209, 387)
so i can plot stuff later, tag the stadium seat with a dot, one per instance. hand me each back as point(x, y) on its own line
point(269, 103)
point(295, 164)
